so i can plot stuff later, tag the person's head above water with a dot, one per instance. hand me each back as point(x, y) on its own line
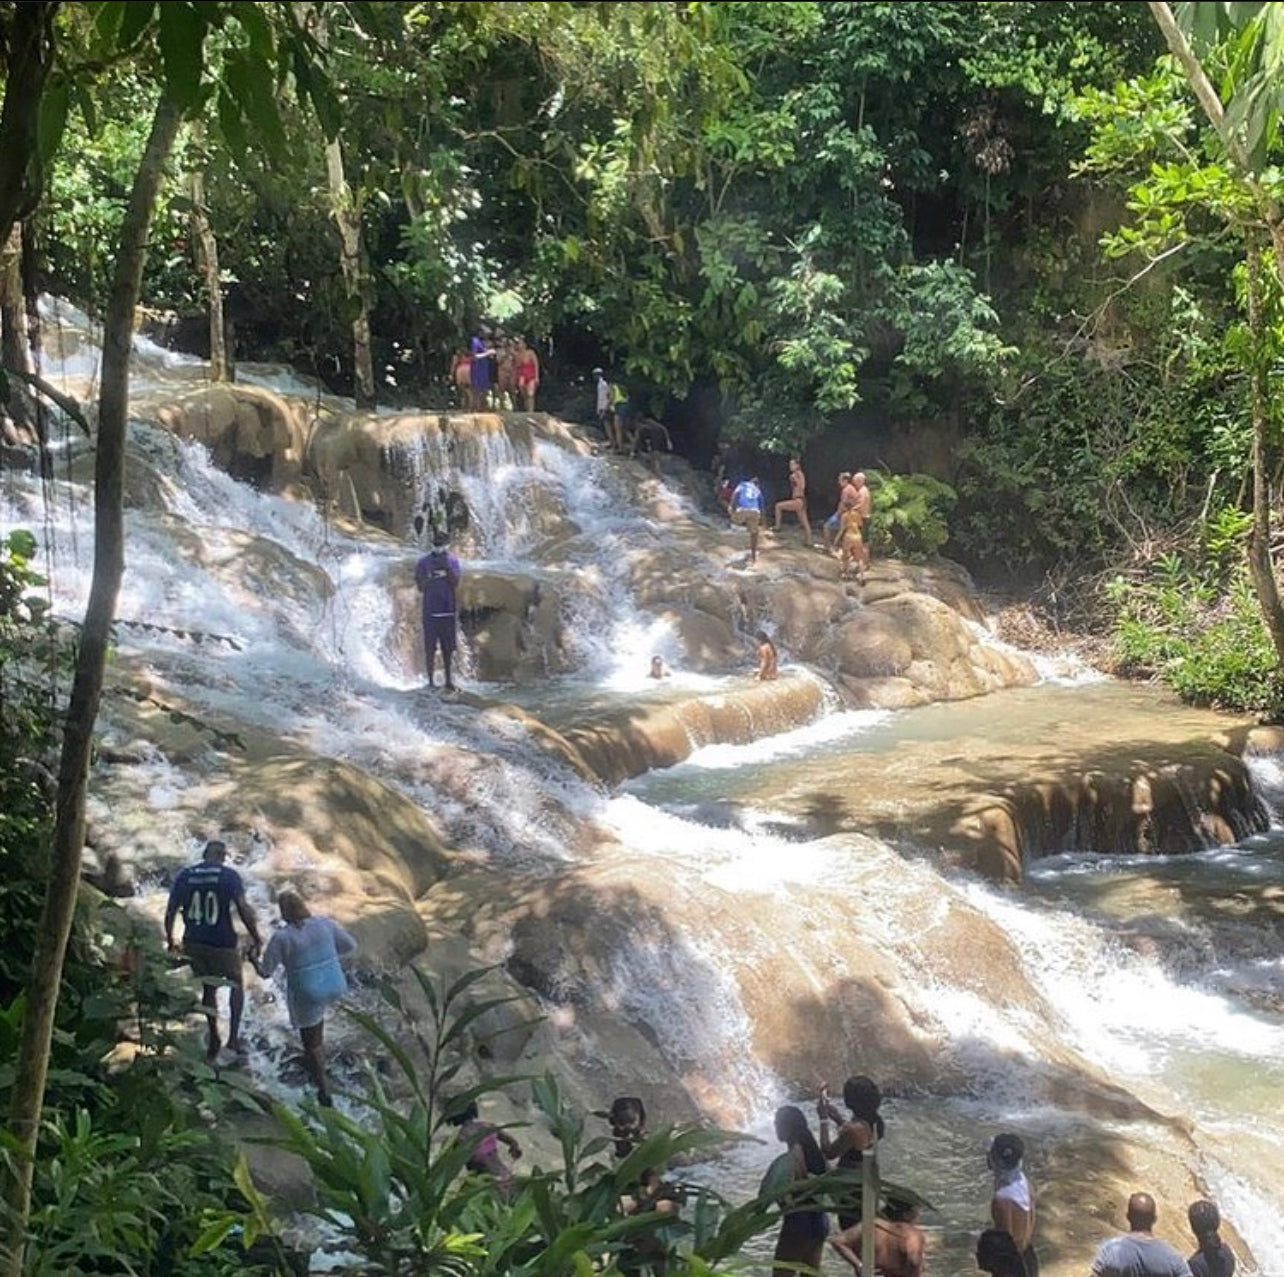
point(1205, 1219)
point(292, 908)
point(763, 637)
point(627, 1112)
point(862, 1096)
point(1142, 1212)
point(440, 539)
point(215, 851)
point(1005, 1152)
point(469, 1113)
point(657, 665)
point(790, 1124)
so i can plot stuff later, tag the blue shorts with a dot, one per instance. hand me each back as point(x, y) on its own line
point(832, 523)
point(439, 631)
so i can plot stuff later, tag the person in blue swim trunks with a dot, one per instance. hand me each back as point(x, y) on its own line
point(311, 950)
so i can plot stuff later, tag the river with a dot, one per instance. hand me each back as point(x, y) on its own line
point(1160, 975)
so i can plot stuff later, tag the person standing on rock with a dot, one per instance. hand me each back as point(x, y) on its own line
point(768, 658)
point(526, 368)
point(602, 405)
point(482, 361)
point(437, 574)
point(846, 499)
point(850, 544)
point(797, 502)
point(1012, 1205)
point(1138, 1252)
point(864, 500)
point(1213, 1258)
point(746, 511)
point(311, 950)
point(206, 894)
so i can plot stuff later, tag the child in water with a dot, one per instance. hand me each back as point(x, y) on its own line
point(768, 661)
point(485, 1140)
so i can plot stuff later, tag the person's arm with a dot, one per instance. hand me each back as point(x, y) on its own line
point(272, 956)
point(171, 912)
point(344, 945)
point(510, 1142)
point(249, 918)
point(846, 1244)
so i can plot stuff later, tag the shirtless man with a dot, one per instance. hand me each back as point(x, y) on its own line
point(649, 437)
point(797, 503)
point(864, 501)
point(847, 497)
point(898, 1243)
point(768, 659)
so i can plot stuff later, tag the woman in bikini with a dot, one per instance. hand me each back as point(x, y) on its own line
point(854, 1135)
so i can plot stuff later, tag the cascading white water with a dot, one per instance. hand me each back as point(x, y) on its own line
point(307, 611)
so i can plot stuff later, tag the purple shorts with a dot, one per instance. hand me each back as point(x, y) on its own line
point(439, 631)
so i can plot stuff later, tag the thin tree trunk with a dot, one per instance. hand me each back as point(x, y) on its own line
point(15, 353)
point(207, 255)
point(86, 692)
point(1261, 567)
point(29, 59)
point(356, 274)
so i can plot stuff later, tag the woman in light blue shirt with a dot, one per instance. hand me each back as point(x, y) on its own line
point(310, 949)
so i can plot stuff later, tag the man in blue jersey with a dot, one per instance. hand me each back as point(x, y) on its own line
point(437, 575)
point(746, 511)
point(205, 894)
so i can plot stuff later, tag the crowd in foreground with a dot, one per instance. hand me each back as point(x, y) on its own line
point(310, 952)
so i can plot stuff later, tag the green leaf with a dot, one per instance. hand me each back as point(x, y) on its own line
point(213, 1235)
point(182, 46)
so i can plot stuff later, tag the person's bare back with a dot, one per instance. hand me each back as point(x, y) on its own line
point(898, 1247)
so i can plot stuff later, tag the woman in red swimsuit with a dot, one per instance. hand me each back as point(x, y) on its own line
point(527, 374)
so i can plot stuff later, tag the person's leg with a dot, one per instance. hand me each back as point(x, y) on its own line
point(446, 653)
point(313, 1039)
point(237, 1003)
point(209, 1000)
point(805, 521)
point(781, 507)
point(430, 653)
point(753, 538)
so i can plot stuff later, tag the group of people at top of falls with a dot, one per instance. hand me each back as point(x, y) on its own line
point(495, 370)
point(845, 532)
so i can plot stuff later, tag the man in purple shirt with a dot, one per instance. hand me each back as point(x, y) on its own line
point(437, 576)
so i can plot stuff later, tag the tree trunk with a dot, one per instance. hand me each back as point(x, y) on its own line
point(356, 273)
point(207, 255)
point(30, 54)
point(15, 353)
point(1260, 565)
point(86, 692)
